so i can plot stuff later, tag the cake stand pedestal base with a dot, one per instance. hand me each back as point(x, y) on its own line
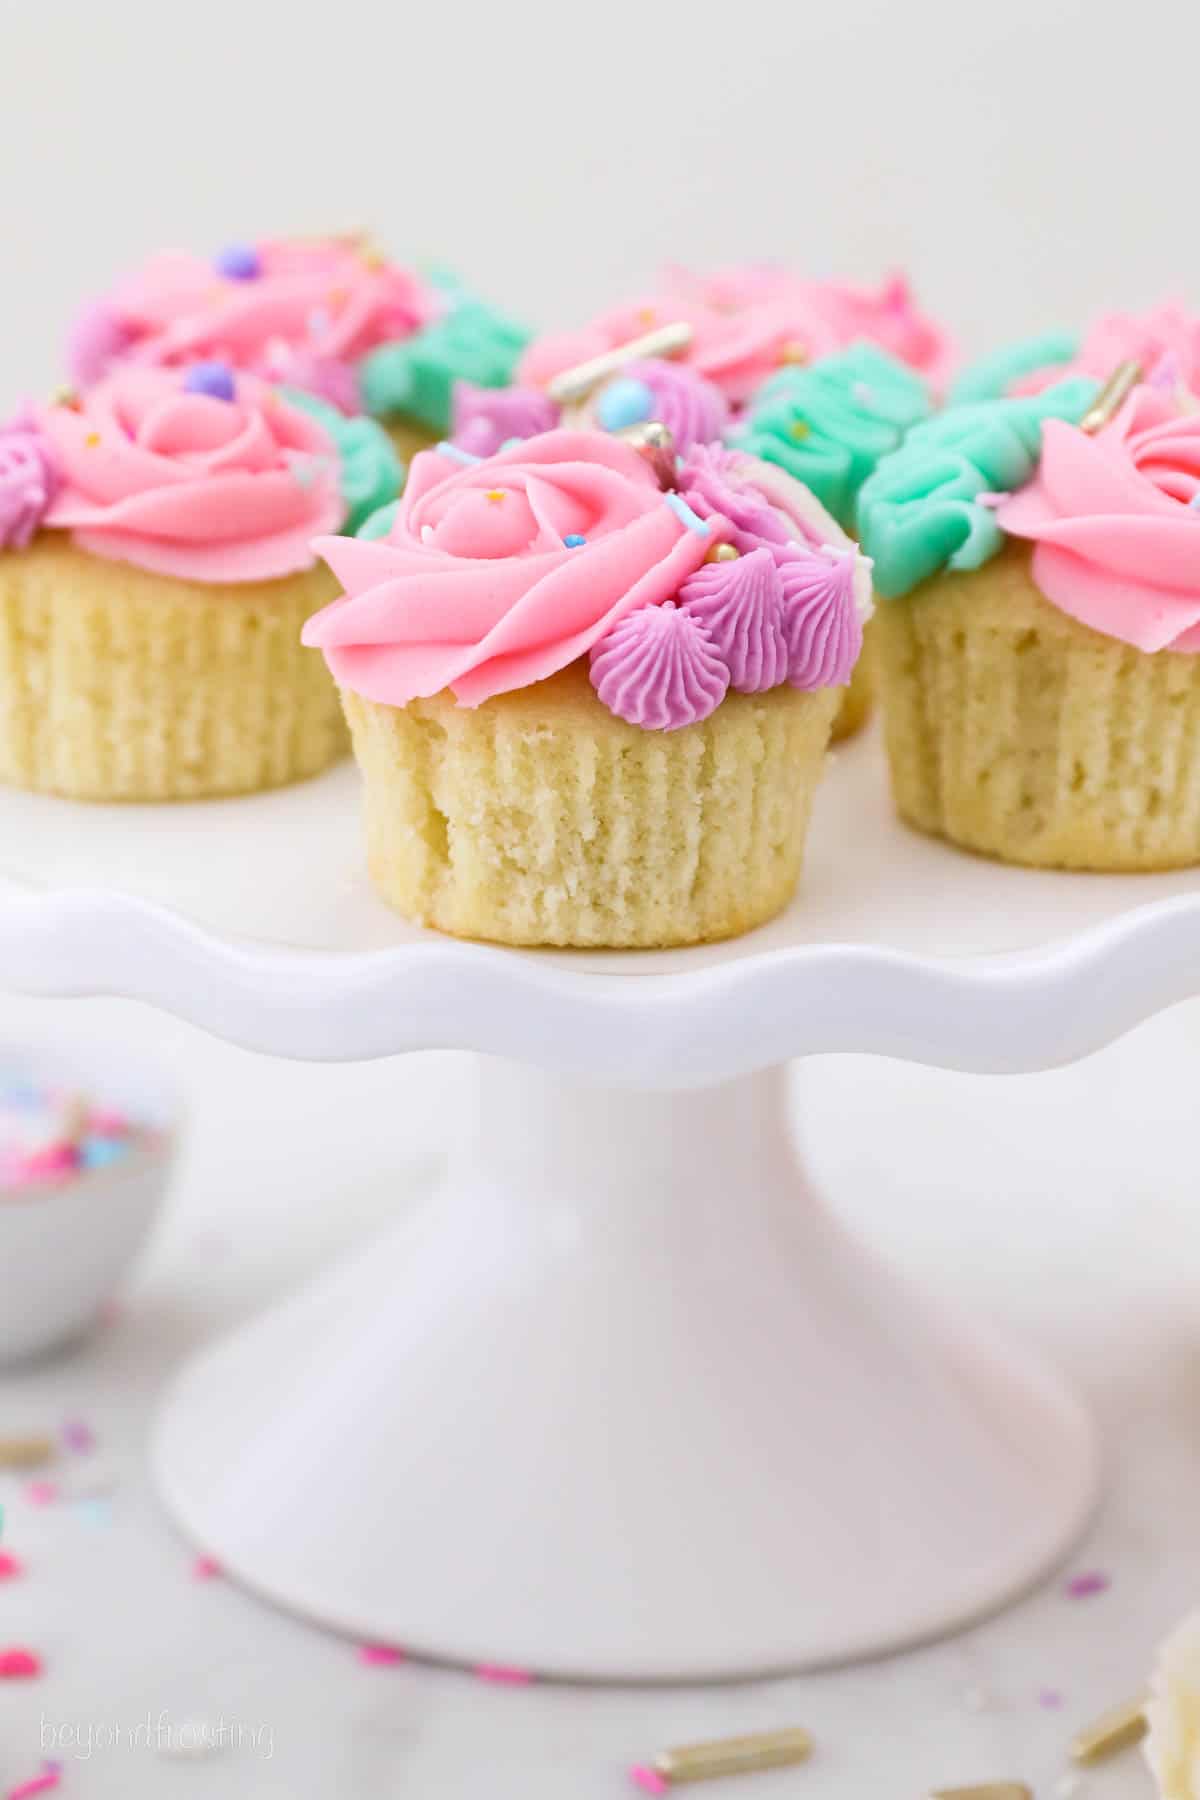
point(625, 1403)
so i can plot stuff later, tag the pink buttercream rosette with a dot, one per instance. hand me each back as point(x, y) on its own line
point(746, 322)
point(1116, 534)
point(306, 317)
point(481, 585)
point(1165, 340)
point(188, 485)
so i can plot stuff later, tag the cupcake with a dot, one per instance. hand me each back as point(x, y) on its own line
point(1039, 563)
point(829, 423)
point(590, 710)
point(1166, 336)
point(746, 323)
point(156, 567)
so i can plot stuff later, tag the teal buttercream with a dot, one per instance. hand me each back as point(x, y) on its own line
point(472, 342)
point(371, 472)
point(379, 523)
point(828, 424)
point(992, 376)
point(920, 511)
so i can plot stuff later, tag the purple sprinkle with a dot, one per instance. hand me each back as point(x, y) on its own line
point(78, 1436)
point(212, 378)
point(1050, 1699)
point(1092, 1581)
point(238, 262)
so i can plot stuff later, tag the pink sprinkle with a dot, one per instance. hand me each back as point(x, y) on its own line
point(380, 1656)
point(107, 1123)
point(41, 1493)
point(19, 1665)
point(1092, 1581)
point(10, 1568)
point(78, 1436)
point(503, 1676)
point(49, 1779)
point(44, 1165)
point(206, 1568)
point(648, 1779)
point(1050, 1698)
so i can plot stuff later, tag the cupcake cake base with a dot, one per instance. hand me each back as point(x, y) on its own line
point(859, 697)
point(540, 818)
point(118, 684)
point(1017, 732)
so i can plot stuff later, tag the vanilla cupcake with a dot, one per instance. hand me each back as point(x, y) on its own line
point(589, 711)
point(1039, 563)
point(155, 571)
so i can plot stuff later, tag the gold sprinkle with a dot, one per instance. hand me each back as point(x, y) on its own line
point(1115, 1730)
point(92, 439)
point(800, 430)
point(734, 1756)
point(372, 257)
point(646, 315)
point(495, 493)
point(793, 351)
point(989, 1790)
point(26, 1452)
point(722, 553)
point(64, 396)
point(1112, 395)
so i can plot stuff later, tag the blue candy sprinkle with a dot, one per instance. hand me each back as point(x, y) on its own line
point(212, 378)
point(101, 1152)
point(624, 402)
point(692, 520)
point(456, 455)
point(573, 540)
point(238, 262)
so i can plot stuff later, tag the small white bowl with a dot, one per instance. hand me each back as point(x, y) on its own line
point(64, 1248)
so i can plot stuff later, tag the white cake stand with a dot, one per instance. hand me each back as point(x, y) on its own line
point(624, 1401)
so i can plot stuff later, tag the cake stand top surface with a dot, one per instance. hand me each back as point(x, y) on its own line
point(255, 918)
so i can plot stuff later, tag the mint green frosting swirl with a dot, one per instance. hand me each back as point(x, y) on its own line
point(380, 522)
point(920, 511)
point(829, 423)
point(371, 472)
point(992, 376)
point(472, 342)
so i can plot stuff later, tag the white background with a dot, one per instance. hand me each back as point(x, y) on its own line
point(1028, 162)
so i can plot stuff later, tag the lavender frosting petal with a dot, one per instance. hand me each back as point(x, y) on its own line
point(485, 418)
point(98, 338)
point(29, 480)
point(693, 410)
point(821, 620)
point(658, 668)
point(740, 605)
point(709, 482)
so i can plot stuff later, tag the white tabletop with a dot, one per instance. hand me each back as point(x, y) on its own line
point(1065, 1203)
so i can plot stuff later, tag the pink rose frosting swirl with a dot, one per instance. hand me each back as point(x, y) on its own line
point(186, 484)
point(498, 574)
point(1165, 340)
point(29, 480)
point(747, 322)
point(1114, 521)
point(302, 312)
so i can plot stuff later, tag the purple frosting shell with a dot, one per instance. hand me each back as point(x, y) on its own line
point(693, 410)
point(709, 482)
point(658, 668)
point(740, 605)
point(97, 340)
point(29, 480)
point(820, 618)
point(484, 418)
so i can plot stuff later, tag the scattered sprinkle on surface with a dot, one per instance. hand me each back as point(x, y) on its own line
point(206, 1568)
point(380, 1656)
point(1091, 1581)
point(19, 1664)
point(501, 1675)
point(647, 1779)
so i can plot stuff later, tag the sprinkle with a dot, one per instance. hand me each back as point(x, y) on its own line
point(10, 1568)
point(91, 440)
point(19, 1665)
point(574, 539)
point(213, 379)
point(78, 1436)
point(44, 1783)
point(646, 315)
point(64, 396)
point(723, 553)
point(41, 1493)
point(793, 351)
point(682, 510)
point(735, 1755)
point(1112, 396)
point(1049, 1699)
point(501, 1675)
point(102, 1152)
point(105, 1121)
point(624, 402)
point(1092, 1581)
point(496, 494)
point(1115, 1730)
point(578, 382)
point(801, 429)
point(445, 448)
point(206, 1568)
point(238, 262)
point(380, 1656)
point(649, 1780)
point(26, 1452)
